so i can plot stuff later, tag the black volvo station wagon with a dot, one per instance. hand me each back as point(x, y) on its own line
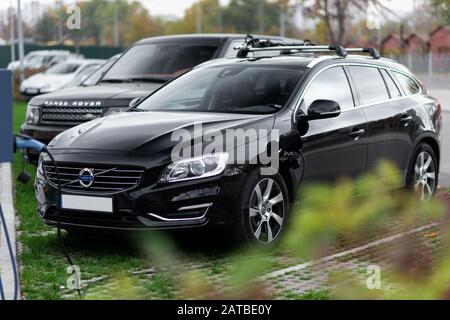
point(335, 114)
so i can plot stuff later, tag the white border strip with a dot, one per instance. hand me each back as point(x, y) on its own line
point(6, 200)
point(346, 252)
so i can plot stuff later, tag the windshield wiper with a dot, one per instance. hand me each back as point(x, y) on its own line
point(136, 109)
point(112, 80)
point(149, 79)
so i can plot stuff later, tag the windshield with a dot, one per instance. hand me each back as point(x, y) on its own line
point(159, 61)
point(228, 89)
point(92, 79)
point(82, 75)
point(35, 60)
point(63, 68)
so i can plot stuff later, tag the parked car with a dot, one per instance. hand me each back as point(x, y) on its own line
point(42, 59)
point(336, 115)
point(141, 69)
point(58, 76)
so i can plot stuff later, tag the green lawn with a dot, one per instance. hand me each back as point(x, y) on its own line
point(42, 261)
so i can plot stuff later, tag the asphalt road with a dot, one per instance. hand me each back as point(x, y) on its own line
point(444, 98)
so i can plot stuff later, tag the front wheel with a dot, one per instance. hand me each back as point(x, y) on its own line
point(264, 209)
point(423, 175)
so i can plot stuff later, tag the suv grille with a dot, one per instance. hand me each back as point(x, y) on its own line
point(58, 114)
point(107, 178)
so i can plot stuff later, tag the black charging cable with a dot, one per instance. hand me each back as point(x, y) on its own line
point(58, 215)
point(26, 142)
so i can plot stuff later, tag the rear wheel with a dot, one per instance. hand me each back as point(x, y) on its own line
point(423, 175)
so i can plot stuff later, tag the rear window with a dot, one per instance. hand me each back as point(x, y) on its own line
point(160, 60)
point(370, 85)
point(393, 89)
point(407, 83)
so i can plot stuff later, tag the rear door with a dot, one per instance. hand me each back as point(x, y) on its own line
point(387, 114)
point(338, 146)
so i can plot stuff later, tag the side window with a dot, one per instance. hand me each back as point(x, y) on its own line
point(370, 85)
point(393, 89)
point(331, 84)
point(408, 84)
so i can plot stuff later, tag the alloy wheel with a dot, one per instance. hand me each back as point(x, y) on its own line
point(425, 175)
point(267, 210)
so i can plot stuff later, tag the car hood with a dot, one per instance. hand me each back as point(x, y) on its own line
point(107, 95)
point(40, 80)
point(151, 132)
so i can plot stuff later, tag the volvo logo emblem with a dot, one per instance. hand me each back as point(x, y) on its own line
point(86, 177)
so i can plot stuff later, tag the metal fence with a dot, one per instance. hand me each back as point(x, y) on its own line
point(91, 52)
point(432, 69)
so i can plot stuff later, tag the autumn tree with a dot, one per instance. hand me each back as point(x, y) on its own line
point(337, 15)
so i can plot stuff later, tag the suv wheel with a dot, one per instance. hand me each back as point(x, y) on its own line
point(264, 209)
point(423, 175)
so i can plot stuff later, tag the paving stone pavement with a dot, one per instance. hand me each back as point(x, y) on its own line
point(329, 275)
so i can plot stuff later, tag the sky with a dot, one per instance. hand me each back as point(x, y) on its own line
point(177, 7)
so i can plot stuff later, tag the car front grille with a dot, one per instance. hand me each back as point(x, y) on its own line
point(70, 114)
point(107, 178)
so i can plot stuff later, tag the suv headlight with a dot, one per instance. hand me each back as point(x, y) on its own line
point(40, 167)
point(114, 110)
point(195, 168)
point(32, 115)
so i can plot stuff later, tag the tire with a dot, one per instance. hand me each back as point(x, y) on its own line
point(423, 172)
point(263, 216)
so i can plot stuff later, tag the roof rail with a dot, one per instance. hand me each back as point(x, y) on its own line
point(372, 51)
point(256, 45)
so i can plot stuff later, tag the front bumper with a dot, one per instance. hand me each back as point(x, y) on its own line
point(189, 204)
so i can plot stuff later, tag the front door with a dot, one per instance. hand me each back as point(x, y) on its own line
point(335, 147)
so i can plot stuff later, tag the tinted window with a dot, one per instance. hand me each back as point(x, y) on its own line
point(393, 90)
point(370, 85)
point(408, 84)
point(160, 60)
point(331, 84)
point(229, 89)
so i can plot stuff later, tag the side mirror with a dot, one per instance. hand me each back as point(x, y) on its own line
point(322, 109)
point(135, 102)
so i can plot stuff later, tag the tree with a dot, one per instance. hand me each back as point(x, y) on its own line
point(337, 14)
point(44, 30)
point(443, 9)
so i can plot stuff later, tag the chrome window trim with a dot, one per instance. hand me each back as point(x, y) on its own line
point(343, 64)
point(318, 60)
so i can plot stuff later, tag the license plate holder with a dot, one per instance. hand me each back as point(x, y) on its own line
point(87, 203)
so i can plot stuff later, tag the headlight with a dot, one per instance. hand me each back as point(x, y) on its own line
point(32, 116)
point(40, 167)
point(195, 168)
point(111, 111)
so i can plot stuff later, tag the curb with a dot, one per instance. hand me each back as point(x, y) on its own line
point(6, 200)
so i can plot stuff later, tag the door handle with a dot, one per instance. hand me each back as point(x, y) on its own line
point(357, 133)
